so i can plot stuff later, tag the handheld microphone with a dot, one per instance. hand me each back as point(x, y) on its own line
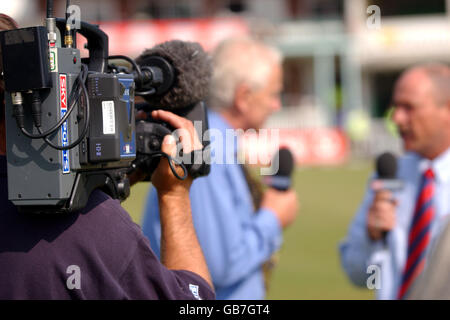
point(282, 179)
point(386, 167)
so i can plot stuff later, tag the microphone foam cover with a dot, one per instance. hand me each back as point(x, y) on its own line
point(386, 166)
point(193, 71)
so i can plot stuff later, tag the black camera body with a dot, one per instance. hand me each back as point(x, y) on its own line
point(70, 122)
point(150, 133)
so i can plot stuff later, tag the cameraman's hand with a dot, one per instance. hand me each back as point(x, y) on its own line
point(163, 178)
point(180, 248)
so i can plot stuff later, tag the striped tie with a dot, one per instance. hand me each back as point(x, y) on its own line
point(419, 233)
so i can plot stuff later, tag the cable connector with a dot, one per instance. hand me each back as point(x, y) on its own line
point(68, 39)
point(50, 23)
point(36, 108)
point(18, 111)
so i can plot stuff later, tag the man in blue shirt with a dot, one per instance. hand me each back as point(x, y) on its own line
point(394, 231)
point(236, 238)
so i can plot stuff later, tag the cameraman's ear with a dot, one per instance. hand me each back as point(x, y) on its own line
point(169, 145)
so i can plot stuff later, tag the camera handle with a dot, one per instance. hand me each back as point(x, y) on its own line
point(97, 44)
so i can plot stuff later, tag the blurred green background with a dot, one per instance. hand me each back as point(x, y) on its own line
point(309, 266)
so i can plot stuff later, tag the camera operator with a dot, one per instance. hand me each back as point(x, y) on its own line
point(98, 252)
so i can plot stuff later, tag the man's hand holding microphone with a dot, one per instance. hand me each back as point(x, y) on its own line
point(280, 198)
point(381, 216)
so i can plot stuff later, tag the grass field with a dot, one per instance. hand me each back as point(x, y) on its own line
point(309, 265)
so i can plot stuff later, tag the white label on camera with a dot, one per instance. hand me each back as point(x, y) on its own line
point(53, 52)
point(109, 120)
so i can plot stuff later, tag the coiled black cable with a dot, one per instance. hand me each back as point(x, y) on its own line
point(78, 88)
point(81, 136)
point(86, 118)
point(73, 98)
point(170, 159)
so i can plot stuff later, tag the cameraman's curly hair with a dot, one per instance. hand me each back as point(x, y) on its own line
point(6, 23)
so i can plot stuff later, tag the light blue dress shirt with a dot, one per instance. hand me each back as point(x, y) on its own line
point(358, 252)
point(235, 239)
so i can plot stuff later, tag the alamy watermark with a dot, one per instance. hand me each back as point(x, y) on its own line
point(374, 279)
point(373, 22)
point(233, 147)
point(74, 19)
point(74, 280)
